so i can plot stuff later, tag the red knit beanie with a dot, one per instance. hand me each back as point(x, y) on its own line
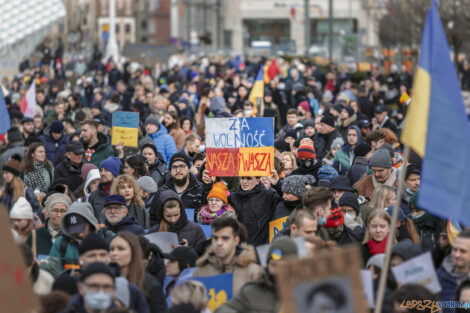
point(336, 218)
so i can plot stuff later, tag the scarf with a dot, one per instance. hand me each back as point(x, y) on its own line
point(36, 179)
point(376, 247)
point(207, 217)
point(106, 188)
point(389, 182)
point(421, 220)
point(55, 232)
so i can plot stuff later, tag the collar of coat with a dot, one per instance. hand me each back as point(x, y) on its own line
point(244, 256)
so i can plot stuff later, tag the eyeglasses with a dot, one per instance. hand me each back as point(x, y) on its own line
point(97, 287)
point(179, 168)
point(57, 212)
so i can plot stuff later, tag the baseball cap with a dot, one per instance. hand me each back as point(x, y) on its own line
point(74, 147)
point(186, 255)
point(77, 224)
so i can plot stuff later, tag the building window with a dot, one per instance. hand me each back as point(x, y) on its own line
point(117, 28)
point(127, 28)
point(144, 24)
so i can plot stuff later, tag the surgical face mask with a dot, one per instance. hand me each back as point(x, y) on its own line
point(98, 300)
point(322, 221)
point(248, 112)
point(415, 217)
point(350, 216)
point(320, 111)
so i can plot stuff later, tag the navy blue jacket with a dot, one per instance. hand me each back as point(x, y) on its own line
point(128, 223)
point(54, 148)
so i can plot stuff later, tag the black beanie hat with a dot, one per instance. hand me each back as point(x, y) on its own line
point(349, 199)
point(151, 146)
point(14, 134)
point(92, 242)
point(97, 268)
point(361, 149)
point(179, 156)
point(328, 119)
point(66, 283)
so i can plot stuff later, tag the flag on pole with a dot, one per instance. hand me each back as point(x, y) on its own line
point(28, 102)
point(257, 92)
point(437, 127)
point(4, 116)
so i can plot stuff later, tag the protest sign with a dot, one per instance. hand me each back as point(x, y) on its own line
point(368, 284)
point(190, 214)
point(16, 290)
point(276, 226)
point(207, 229)
point(330, 282)
point(164, 240)
point(240, 146)
point(219, 289)
point(418, 270)
point(125, 128)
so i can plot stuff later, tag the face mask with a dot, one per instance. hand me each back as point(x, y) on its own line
point(281, 86)
point(306, 163)
point(98, 300)
point(409, 191)
point(417, 217)
point(248, 112)
point(320, 112)
point(322, 221)
point(350, 216)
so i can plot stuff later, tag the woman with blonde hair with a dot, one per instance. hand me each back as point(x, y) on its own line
point(126, 186)
point(382, 197)
point(377, 231)
point(289, 162)
point(192, 292)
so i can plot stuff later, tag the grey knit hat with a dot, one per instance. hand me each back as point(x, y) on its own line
point(381, 158)
point(55, 198)
point(147, 184)
point(152, 120)
point(295, 184)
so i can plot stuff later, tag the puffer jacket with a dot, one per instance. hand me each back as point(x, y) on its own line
point(54, 148)
point(243, 266)
point(128, 223)
point(164, 142)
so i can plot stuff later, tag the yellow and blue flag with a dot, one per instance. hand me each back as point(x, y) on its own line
point(258, 90)
point(437, 127)
point(4, 116)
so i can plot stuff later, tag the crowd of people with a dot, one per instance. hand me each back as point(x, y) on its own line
point(80, 207)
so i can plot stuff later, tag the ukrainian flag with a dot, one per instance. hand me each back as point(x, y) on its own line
point(257, 91)
point(437, 127)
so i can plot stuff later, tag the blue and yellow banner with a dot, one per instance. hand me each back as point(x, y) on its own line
point(437, 127)
point(219, 289)
point(125, 128)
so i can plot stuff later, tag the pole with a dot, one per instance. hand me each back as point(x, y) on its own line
point(388, 251)
point(330, 31)
point(112, 49)
point(307, 26)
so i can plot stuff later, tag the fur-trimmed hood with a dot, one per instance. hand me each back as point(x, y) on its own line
point(244, 256)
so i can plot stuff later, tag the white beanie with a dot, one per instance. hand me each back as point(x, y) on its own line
point(57, 198)
point(21, 210)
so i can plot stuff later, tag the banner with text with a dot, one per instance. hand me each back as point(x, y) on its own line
point(240, 146)
point(125, 128)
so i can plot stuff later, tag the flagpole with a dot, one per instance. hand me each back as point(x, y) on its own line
point(388, 251)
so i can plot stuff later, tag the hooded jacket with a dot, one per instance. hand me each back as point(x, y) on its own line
point(255, 209)
point(103, 150)
point(164, 142)
point(449, 279)
point(128, 223)
point(69, 259)
point(190, 198)
point(217, 107)
point(243, 266)
point(184, 228)
point(344, 156)
point(54, 148)
point(257, 296)
point(358, 169)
